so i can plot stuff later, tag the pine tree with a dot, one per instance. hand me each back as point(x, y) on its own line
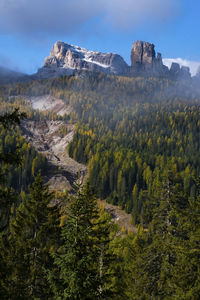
point(154, 252)
point(34, 233)
point(186, 272)
point(82, 262)
point(7, 195)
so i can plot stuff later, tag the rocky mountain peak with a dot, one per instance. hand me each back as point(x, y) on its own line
point(179, 72)
point(67, 58)
point(142, 53)
point(58, 47)
point(143, 58)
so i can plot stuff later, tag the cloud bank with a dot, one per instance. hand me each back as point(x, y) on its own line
point(193, 65)
point(66, 16)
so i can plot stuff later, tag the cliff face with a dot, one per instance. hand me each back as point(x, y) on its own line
point(142, 53)
point(65, 58)
point(179, 72)
point(144, 59)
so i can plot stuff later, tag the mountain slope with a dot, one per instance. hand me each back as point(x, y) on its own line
point(130, 131)
point(51, 137)
point(9, 76)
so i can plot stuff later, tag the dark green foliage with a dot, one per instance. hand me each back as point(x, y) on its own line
point(136, 149)
point(16, 160)
point(9, 156)
point(12, 119)
point(130, 130)
point(83, 261)
point(141, 140)
point(34, 232)
point(163, 262)
point(7, 196)
point(9, 121)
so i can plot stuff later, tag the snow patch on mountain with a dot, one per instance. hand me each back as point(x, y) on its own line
point(65, 59)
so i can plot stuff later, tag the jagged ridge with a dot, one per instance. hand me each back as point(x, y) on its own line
point(65, 59)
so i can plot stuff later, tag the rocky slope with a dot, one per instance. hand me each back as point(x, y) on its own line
point(51, 138)
point(50, 103)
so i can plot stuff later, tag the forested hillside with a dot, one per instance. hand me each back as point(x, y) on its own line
point(130, 131)
point(140, 138)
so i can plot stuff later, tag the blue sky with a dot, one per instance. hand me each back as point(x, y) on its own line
point(29, 28)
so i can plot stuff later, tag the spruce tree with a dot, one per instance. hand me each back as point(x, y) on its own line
point(154, 251)
point(7, 195)
point(33, 234)
point(82, 261)
point(11, 157)
point(186, 272)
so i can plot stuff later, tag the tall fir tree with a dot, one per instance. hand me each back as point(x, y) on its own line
point(33, 234)
point(7, 195)
point(11, 157)
point(186, 271)
point(82, 263)
point(154, 252)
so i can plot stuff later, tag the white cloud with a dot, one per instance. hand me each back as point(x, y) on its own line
point(193, 65)
point(66, 16)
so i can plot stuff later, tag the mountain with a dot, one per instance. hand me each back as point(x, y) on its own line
point(9, 76)
point(144, 61)
point(64, 59)
point(136, 140)
point(128, 130)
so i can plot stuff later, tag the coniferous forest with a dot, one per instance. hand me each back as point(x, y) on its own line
point(140, 138)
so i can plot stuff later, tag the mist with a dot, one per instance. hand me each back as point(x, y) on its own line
point(193, 65)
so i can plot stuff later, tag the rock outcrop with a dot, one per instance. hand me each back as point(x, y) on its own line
point(144, 59)
point(198, 73)
point(142, 53)
point(145, 62)
point(51, 138)
point(65, 59)
point(177, 72)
